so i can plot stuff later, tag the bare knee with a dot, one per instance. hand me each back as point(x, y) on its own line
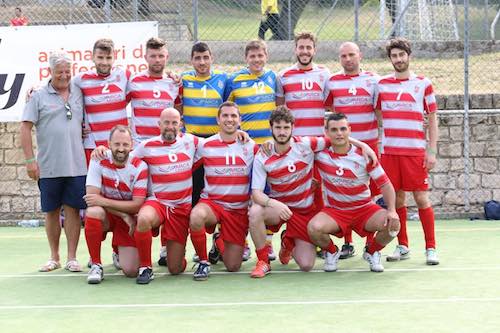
point(255, 214)
point(144, 221)
point(233, 267)
point(95, 212)
point(197, 218)
point(130, 272)
point(306, 267)
point(421, 199)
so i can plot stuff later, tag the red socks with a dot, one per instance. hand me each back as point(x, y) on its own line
point(93, 236)
point(263, 254)
point(427, 219)
point(220, 244)
point(403, 235)
point(143, 241)
point(199, 240)
point(288, 243)
point(331, 248)
point(374, 246)
point(348, 236)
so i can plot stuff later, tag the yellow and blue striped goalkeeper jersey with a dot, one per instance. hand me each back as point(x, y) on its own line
point(201, 98)
point(255, 96)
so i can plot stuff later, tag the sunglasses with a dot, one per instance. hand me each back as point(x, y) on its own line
point(69, 114)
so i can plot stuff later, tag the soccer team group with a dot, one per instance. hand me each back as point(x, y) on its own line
point(228, 155)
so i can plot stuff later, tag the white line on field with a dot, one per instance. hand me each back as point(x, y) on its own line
point(464, 229)
point(387, 270)
point(263, 303)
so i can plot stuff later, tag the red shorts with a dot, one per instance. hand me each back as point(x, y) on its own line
point(296, 226)
point(175, 221)
point(373, 187)
point(88, 152)
point(406, 173)
point(352, 219)
point(234, 223)
point(120, 231)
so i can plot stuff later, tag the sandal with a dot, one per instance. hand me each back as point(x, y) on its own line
point(73, 266)
point(49, 266)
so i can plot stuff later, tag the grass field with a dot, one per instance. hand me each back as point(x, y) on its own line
point(462, 294)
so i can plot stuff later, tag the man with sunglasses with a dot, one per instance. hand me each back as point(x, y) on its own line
point(56, 111)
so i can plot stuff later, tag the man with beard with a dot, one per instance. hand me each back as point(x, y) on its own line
point(253, 89)
point(151, 91)
point(352, 92)
point(301, 88)
point(104, 93)
point(345, 175)
point(116, 189)
point(227, 164)
point(404, 101)
point(170, 159)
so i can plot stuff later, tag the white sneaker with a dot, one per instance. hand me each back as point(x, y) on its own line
point(331, 261)
point(431, 257)
point(400, 253)
point(116, 261)
point(374, 260)
point(95, 275)
point(271, 255)
point(162, 260)
point(246, 253)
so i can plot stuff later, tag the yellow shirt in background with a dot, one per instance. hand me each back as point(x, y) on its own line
point(269, 3)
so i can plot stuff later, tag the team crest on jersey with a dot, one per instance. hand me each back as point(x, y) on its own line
point(416, 89)
point(245, 151)
point(270, 80)
point(368, 83)
point(186, 145)
point(321, 77)
point(190, 84)
point(131, 179)
point(243, 84)
point(220, 84)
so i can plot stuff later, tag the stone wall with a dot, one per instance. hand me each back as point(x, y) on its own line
point(19, 195)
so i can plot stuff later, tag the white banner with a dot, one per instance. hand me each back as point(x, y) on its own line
point(24, 54)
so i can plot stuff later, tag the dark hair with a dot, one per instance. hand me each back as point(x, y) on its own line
point(227, 104)
point(398, 43)
point(104, 44)
point(282, 113)
point(200, 47)
point(334, 117)
point(256, 44)
point(155, 43)
point(119, 128)
point(305, 35)
point(18, 8)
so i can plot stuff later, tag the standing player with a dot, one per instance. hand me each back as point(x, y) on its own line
point(116, 189)
point(104, 92)
point(301, 88)
point(352, 92)
point(405, 100)
point(225, 198)
point(151, 91)
point(345, 175)
point(289, 174)
point(170, 160)
point(253, 89)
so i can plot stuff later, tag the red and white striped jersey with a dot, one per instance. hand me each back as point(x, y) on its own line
point(227, 171)
point(119, 183)
point(289, 175)
point(170, 168)
point(105, 103)
point(404, 104)
point(149, 96)
point(304, 92)
point(354, 96)
point(346, 178)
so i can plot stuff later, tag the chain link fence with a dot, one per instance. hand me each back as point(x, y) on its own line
point(468, 171)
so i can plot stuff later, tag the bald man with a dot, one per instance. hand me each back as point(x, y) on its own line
point(170, 159)
point(352, 92)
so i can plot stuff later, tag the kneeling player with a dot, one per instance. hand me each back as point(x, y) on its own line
point(116, 188)
point(227, 164)
point(345, 176)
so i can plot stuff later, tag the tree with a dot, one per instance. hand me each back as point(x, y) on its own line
point(296, 9)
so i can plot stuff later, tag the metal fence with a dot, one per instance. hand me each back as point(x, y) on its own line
point(457, 43)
